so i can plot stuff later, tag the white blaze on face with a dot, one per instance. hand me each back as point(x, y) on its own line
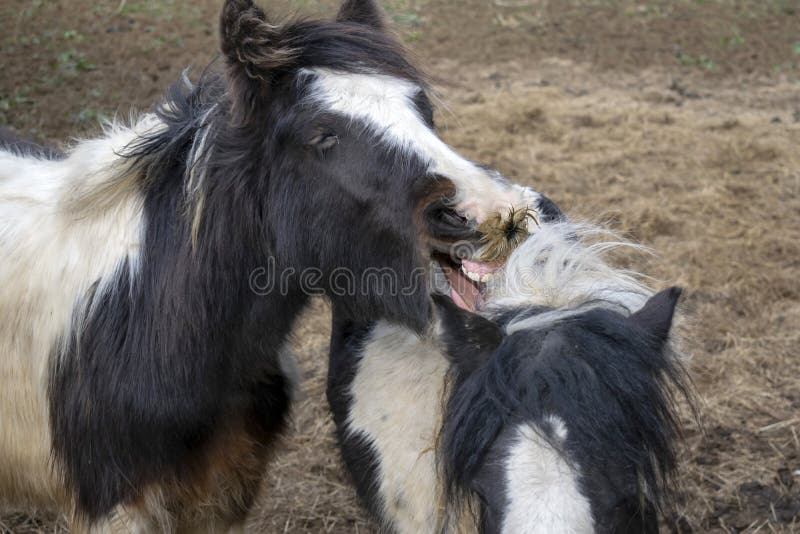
point(386, 103)
point(543, 495)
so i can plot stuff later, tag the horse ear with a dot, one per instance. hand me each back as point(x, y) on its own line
point(365, 12)
point(469, 338)
point(251, 44)
point(657, 313)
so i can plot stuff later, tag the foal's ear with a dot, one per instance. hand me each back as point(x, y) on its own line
point(366, 12)
point(468, 337)
point(252, 45)
point(657, 313)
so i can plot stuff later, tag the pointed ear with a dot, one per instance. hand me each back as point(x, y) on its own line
point(468, 337)
point(365, 12)
point(657, 313)
point(251, 44)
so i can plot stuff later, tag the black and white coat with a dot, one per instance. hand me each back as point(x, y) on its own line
point(552, 412)
point(144, 378)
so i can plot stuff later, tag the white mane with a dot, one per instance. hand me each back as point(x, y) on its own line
point(562, 265)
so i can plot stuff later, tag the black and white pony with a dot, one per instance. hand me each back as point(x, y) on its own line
point(143, 378)
point(550, 411)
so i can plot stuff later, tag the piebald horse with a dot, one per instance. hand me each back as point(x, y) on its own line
point(552, 409)
point(144, 377)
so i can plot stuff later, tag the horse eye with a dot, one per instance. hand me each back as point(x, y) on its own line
point(324, 141)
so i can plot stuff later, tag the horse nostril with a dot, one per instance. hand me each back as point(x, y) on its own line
point(443, 222)
point(449, 216)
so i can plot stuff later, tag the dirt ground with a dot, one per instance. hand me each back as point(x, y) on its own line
point(677, 123)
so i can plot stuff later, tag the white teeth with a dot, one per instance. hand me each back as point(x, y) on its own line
point(477, 277)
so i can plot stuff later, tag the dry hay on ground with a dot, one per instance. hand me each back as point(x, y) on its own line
point(703, 167)
point(712, 184)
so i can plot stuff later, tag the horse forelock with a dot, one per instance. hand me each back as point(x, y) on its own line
point(563, 265)
point(199, 133)
point(611, 388)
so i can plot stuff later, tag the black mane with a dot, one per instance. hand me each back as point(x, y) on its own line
point(339, 46)
point(349, 47)
point(612, 383)
point(193, 346)
point(11, 141)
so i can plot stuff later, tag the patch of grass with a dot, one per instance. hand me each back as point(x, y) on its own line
point(408, 18)
point(161, 8)
point(735, 40)
point(11, 102)
point(172, 40)
point(702, 61)
point(90, 116)
point(655, 10)
point(787, 7)
point(32, 40)
point(6, 103)
point(786, 66)
point(73, 35)
point(405, 17)
point(72, 61)
point(32, 8)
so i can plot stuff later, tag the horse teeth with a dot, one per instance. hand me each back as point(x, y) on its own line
point(475, 277)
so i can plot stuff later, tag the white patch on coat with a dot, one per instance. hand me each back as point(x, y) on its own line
point(64, 225)
point(542, 489)
point(386, 104)
point(396, 396)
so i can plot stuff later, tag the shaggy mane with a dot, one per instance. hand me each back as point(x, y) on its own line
point(11, 142)
point(569, 351)
point(196, 117)
point(563, 265)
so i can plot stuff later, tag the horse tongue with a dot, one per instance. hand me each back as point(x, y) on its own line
point(462, 291)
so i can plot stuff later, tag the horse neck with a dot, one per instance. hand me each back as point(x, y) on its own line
point(207, 235)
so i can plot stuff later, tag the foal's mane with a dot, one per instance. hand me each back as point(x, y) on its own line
point(616, 389)
point(563, 265)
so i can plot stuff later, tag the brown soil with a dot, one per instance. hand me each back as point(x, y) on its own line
point(677, 123)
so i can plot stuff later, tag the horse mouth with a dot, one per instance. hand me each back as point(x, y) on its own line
point(466, 282)
point(466, 256)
